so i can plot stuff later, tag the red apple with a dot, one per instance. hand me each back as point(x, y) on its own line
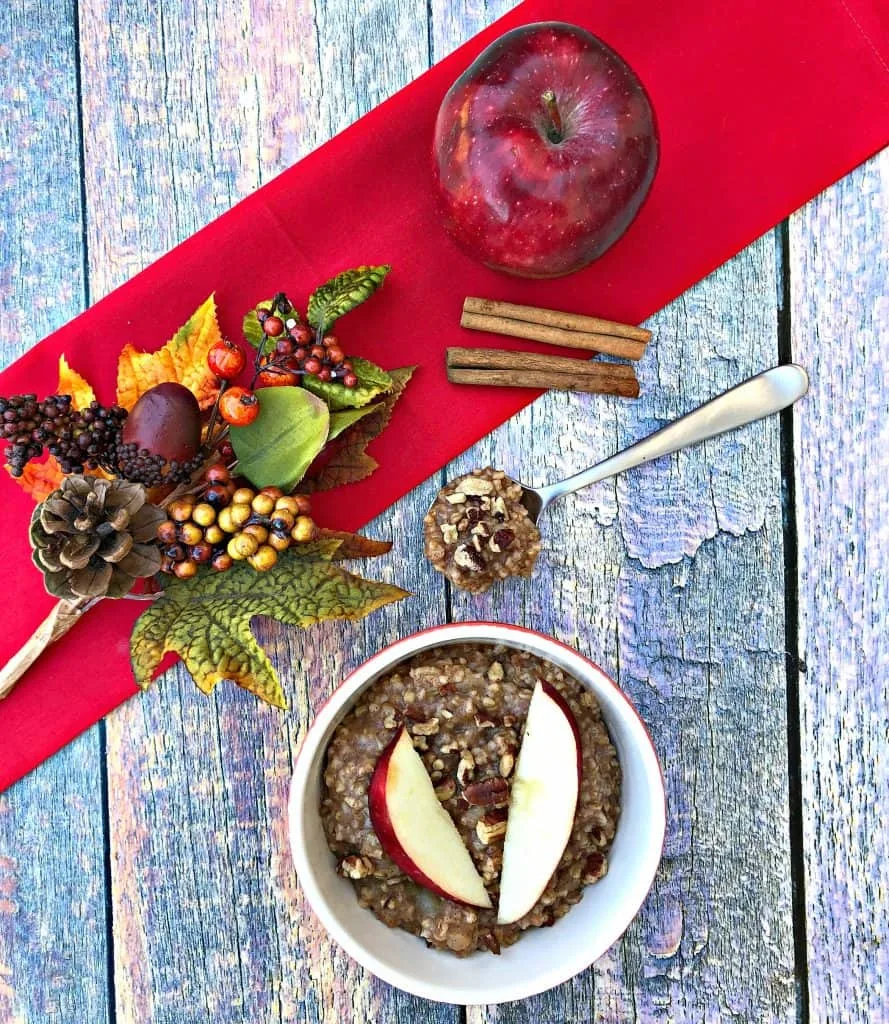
point(415, 831)
point(542, 802)
point(544, 150)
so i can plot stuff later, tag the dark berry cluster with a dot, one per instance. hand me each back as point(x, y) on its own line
point(143, 467)
point(298, 351)
point(79, 439)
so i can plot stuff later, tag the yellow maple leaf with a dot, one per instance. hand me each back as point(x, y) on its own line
point(183, 359)
point(71, 383)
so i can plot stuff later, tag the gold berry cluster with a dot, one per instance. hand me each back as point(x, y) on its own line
point(225, 524)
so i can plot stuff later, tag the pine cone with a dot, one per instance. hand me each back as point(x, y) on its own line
point(95, 538)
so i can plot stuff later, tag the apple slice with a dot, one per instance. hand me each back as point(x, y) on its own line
point(542, 803)
point(416, 831)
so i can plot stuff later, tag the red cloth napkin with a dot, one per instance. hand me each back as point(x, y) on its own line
point(760, 106)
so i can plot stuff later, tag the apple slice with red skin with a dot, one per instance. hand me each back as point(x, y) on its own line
point(415, 831)
point(542, 803)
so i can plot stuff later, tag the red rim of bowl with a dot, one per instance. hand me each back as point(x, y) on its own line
point(573, 652)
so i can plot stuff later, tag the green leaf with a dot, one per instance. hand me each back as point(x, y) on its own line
point(342, 420)
point(206, 620)
point(252, 328)
point(372, 381)
point(278, 447)
point(349, 461)
point(343, 293)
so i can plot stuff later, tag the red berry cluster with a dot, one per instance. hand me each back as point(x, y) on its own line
point(298, 350)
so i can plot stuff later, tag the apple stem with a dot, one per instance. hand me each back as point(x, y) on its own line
point(554, 131)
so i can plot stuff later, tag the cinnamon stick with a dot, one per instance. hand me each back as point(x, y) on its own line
point(555, 327)
point(592, 378)
point(504, 359)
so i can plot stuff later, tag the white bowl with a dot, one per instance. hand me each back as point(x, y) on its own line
point(544, 956)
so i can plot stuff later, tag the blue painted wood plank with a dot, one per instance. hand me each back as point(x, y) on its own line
point(53, 952)
point(209, 922)
point(839, 253)
point(671, 578)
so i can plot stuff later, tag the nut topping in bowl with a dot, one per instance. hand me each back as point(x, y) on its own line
point(478, 531)
point(320, 795)
point(425, 776)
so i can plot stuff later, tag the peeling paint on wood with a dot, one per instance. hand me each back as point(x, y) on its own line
point(839, 263)
point(670, 577)
point(696, 642)
point(53, 949)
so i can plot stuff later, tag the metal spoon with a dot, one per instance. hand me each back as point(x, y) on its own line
point(754, 399)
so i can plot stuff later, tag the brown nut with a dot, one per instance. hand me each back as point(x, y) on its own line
point(487, 793)
point(356, 867)
point(491, 826)
point(465, 766)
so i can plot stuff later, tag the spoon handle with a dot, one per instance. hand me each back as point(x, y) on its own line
point(760, 396)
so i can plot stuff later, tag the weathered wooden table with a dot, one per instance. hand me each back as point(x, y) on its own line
point(738, 591)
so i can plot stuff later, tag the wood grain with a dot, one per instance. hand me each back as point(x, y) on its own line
point(209, 922)
point(671, 579)
point(53, 952)
point(839, 265)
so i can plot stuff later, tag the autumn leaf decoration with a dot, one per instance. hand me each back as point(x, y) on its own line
point(206, 621)
point(182, 360)
point(308, 436)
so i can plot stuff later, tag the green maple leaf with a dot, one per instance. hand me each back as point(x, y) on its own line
point(206, 620)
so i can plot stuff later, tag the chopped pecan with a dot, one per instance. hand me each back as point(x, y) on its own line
point(475, 485)
point(492, 943)
point(356, 867)
point(465, 766)
point(429, 728)
point(466, 557)
point(487, 793)
point(473, 515)
point(507, 763)
point(491, 826)
point(449, 533)
point(484, 722)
